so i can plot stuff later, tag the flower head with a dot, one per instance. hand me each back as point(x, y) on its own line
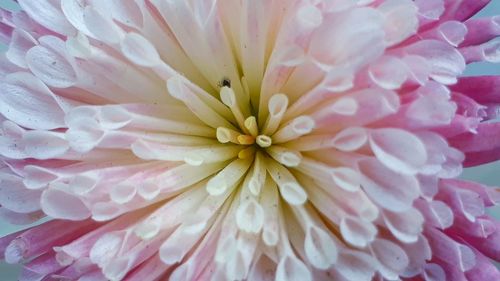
point(248, 140)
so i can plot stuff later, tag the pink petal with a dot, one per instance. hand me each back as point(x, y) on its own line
point(398, 150)
point(449, 251)
point(484, 269)
point(446, 62)
point(382, 185)
point(463, 9)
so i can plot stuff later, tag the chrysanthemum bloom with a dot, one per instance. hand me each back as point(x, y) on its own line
point(248, 140)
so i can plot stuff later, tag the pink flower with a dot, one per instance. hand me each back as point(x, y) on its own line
point(248, 140)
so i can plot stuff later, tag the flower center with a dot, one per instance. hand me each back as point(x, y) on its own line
point(265, 135)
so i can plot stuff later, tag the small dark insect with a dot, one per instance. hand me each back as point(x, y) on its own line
point(225, 82)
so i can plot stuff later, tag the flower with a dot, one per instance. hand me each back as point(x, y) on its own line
point(248, 140)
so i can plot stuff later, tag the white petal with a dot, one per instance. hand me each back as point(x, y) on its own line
point(434, 272)
point(73, 10)
point(355, 266)
point(44, 144)
point(399, 150)
point(127, 12)
point(357, 232)
point(384, 186)
point(20, 218)
point(48, 13)
point(292, 269)
point(355, 37)
point(59, 204)
point(320, 249)
point(38, 177)
point(350, 139)
point(20, 42)
point(446, 62)
point(309, 16)
point(139, 50)
point(15, 197)
point(453, 32)
point(419, 253)
point(400, 20)
point(405, 226)
point(49, 62)
point(250, 216)
point(346, 178)
point(123, 193)
point(382, 72)
point(393, 260)
point(106, 248)
point(102, 27)
point(430, 9)
point(104, 211)
point(29, 103)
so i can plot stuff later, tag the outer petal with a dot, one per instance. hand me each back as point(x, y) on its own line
point(48, 13)
point(28, 102)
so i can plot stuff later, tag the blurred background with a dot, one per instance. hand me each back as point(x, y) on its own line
point(487, 174)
